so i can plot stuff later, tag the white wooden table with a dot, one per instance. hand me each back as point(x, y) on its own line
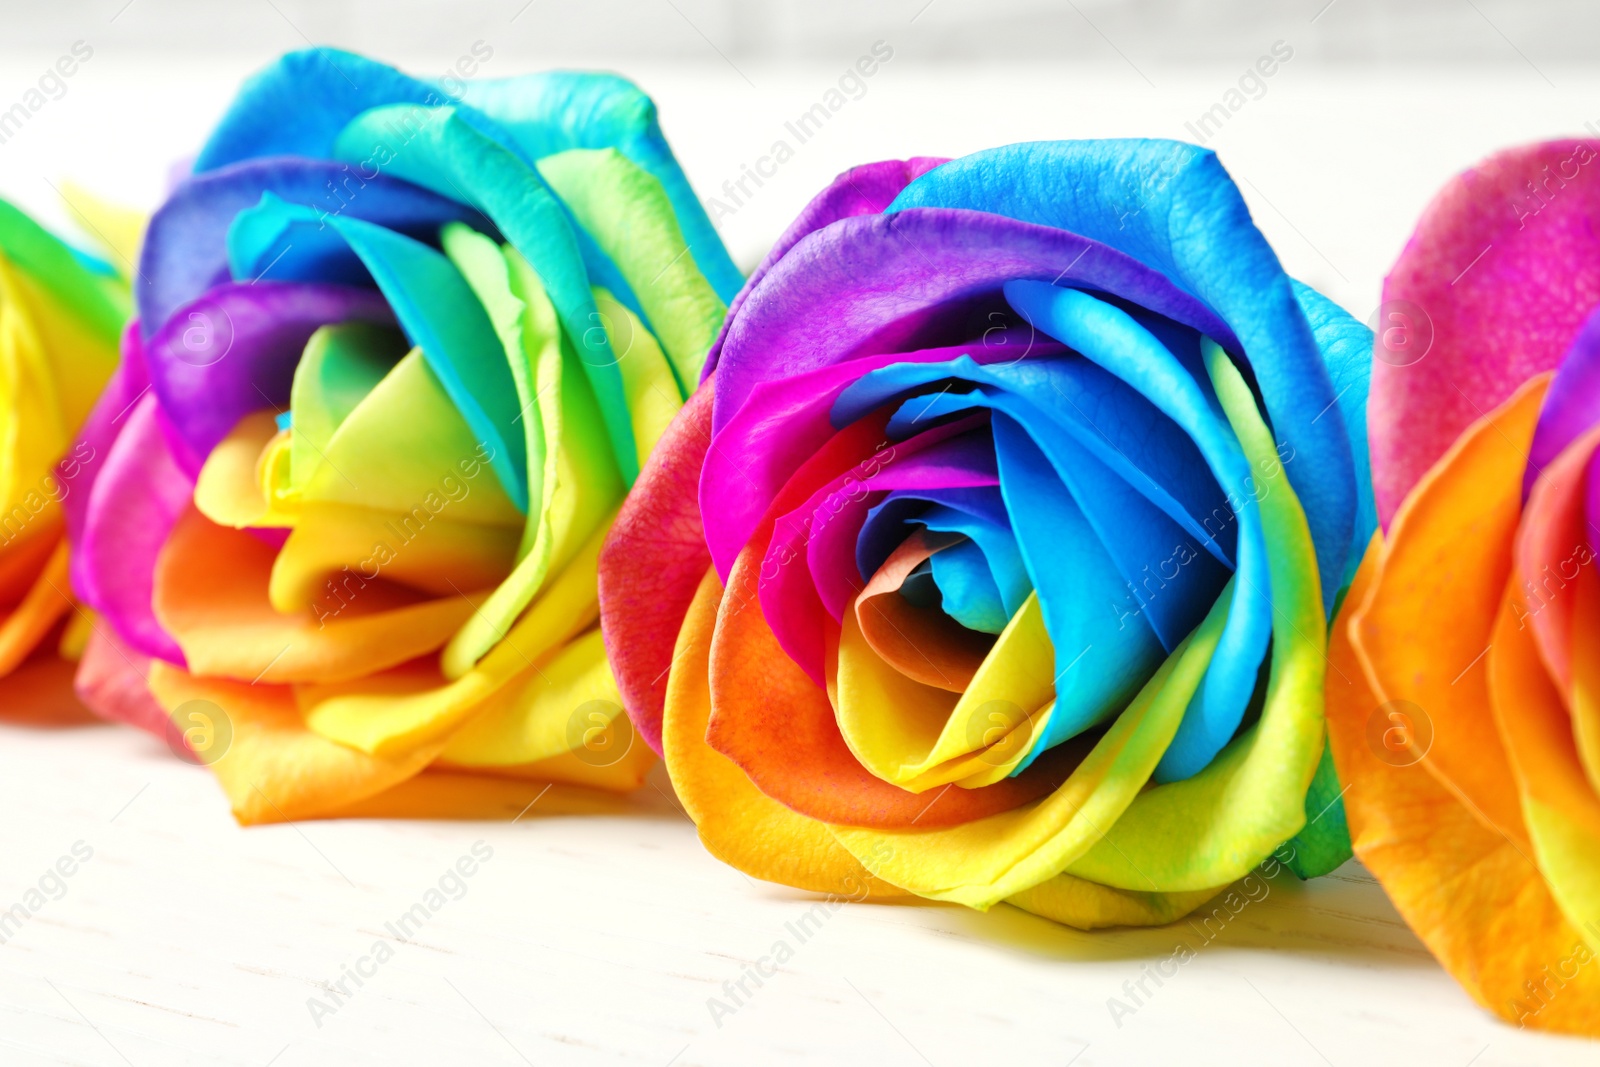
point(601, 939)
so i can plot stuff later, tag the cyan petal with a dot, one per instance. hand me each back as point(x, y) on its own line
point(967, 590)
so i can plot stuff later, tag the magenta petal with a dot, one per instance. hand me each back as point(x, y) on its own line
point(864, 190)
point(135, 502)
point(80, 469)
point(1503, 268)
point(784, 421)
point(824, 529)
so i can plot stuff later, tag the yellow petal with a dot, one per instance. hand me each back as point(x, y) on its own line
point(981, 862)
point(394, 711)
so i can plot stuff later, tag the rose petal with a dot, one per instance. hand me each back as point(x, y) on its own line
point(234, 350)
point(739, 823)
point(863, 190)
point(136, 499)
point(1467, 890)
point(778, 726)
point(1503, 268)
point(537, 114)
point(1450, 549)
point(1173, 208)
point(651, 565)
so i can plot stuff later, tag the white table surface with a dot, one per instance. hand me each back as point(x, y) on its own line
point(600, 939)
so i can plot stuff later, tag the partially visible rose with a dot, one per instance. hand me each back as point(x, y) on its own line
point(402, 348)
point(993, 561)
point(61, 312)
point(1464, 709)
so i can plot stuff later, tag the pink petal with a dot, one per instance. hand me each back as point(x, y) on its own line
point(136, 499)
point(1502, 270)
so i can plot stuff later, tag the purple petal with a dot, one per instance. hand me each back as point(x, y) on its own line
point(185, 250)
point(921, 277)
point(234, 351)
point(1571, 406)
point(863, 190)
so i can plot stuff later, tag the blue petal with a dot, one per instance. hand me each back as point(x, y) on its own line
point(299, 104)
point(1172, 206)
point(1347, 351)
point(185, 246)
point(1104, 651)
point(977, 513)
point(1113, 422)
point(998, 545)
point(1111, 338)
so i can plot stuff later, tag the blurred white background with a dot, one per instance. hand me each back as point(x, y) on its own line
point(1337, 151)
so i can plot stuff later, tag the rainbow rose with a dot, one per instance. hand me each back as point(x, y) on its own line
point(993, 560)
point(61, 311)
point(402, 348)
point(1465, 711)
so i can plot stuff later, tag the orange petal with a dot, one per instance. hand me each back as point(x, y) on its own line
point(771, 719)
point(739, 824)
point(1451, 544)
point(26, 542)
point(39, 693)
point(1558, 800)
point(1466, 889)
point(272, 767)
point(211, 595)
point(924, 644)
point(39, 612)
point(440, 794)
